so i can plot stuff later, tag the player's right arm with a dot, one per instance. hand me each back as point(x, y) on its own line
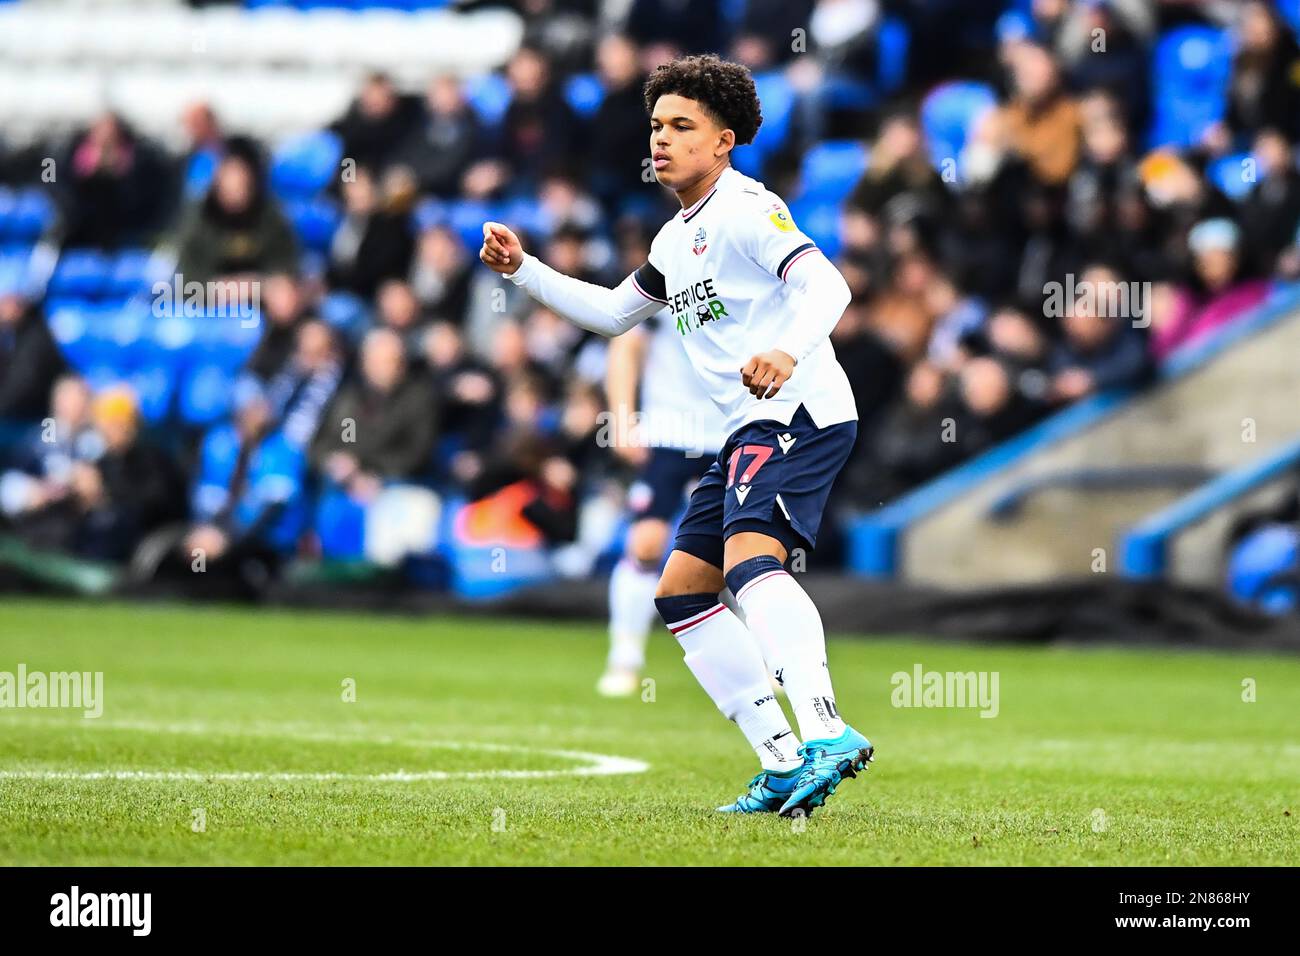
point(589, 306)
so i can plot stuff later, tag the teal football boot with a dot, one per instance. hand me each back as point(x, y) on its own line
point(768, 791)
point(826, 763)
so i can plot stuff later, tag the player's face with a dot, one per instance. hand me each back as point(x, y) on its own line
point(685, 142)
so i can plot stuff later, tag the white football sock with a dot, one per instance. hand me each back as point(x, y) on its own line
point(783, 618)
point(631, 614)
point(722, 655)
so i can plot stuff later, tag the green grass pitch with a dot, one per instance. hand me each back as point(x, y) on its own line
point(1096, 757)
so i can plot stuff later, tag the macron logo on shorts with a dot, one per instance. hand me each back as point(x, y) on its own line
point(742, 492)
point(785, 441)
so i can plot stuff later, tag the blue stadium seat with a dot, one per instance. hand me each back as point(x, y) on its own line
point(584, 93)
point(132, 273)
point(154, 386)
point(315, 221)
point(428, 213)
point(524, 213)
point(819, 221)
point(1228, 173)
point(893, 43)
point(346, 313)
point(1259, 566)
point(778, 99)
point(32, 214)
point(947, 115)
point(831, 169)
point(205, 393)
point(15, 274)
point(82, 273)
point(8, 203)
point(1290, 10)
point(97, 340)
point(488, 95)
point(301, 167)
point(199, 172)
point(341, 525)
point(466, 217)
point(1190, 69)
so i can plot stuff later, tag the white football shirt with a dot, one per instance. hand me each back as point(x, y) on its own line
point(671, 413)
point(720, 266)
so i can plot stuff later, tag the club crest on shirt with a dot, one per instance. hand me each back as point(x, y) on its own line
point(701, 241)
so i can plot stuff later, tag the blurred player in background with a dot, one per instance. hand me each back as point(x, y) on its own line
point(672, 438)
point(738, 275)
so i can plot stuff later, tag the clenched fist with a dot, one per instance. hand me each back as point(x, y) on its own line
point(766, 372)
point(501, 250)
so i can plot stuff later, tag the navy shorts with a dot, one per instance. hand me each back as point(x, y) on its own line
point(664, 481)
point(769, 478)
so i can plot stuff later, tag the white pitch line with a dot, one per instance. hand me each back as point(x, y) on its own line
point(597, 765)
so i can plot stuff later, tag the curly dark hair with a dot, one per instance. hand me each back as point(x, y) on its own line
point(724, 89)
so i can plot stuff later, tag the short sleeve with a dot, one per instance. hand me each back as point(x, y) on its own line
point(771, 238)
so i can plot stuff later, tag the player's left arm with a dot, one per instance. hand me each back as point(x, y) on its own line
point(773, 241)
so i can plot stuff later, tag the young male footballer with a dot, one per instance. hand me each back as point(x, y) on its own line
point(753, 302)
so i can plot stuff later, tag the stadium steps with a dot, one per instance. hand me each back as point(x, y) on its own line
point(956, 531)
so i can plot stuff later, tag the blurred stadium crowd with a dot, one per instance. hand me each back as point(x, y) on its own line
point(389, 397)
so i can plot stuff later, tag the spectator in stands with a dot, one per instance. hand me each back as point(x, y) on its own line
point(284, 309)
point(301, 389)
point(380, 427)
point(1022, 348)
point(1102, 45)
point(916, 441)
point(468, 393)
point(397, 308)
point(1103, 345)
point(899, 171)
point(1271, 211)
point(247, 505)
point(980, 242)
point(1264, 90)
point(204, 146)
point(237, 228)
point(1103, 179)
point(843, 33)
point(541, 467)
point(1052, 250)
point(378, 123)
point(30, 359)
point(43, 460)
point(564, 29)
point(900, 315)
point(442, 147)
point(539, 132)
point(992, 410)
point(1288, 261)
point(374, 241)
point(1219, 291)
point(440, 275)
point(132, 489)
point(114, 187)
point(953, 317)
point(1178, 197)
point(765, 37)
point(874, 370)
point(671, 27)
point(1040, 125)
point(619, 128)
